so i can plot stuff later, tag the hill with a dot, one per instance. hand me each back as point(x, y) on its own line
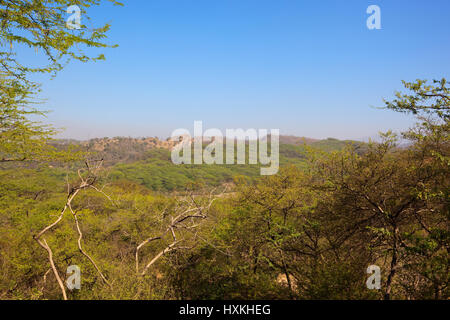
point(128, 149)
point(147, 161)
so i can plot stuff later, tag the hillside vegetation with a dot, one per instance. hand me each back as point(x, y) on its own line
point(339, 220)
point(147, 161)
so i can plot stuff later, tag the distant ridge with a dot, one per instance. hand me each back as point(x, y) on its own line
point(296, 140)
point(120, 149)
point(147, 143)
point(128, 149)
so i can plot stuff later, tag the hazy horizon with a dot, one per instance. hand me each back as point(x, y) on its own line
point(63, 136)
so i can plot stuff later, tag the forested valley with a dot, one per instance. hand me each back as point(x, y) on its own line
point(140, 227)
point(149, 229)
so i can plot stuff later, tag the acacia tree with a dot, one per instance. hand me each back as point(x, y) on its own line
point(430, 153)
point(41, 26)
point(20, 138)
point(425, 99)
point(395, 201)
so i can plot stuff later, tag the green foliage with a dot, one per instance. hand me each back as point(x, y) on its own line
point(20, 138)
point(38, 25)
point(41, 25)
point(425, 99)
point(318, 224)
point(158, 173)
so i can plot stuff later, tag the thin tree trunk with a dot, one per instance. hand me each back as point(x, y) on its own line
point(387, 295)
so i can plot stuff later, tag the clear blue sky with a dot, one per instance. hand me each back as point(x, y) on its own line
point(309, 68)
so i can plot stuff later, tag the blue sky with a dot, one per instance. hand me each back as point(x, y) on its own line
point(309, 68)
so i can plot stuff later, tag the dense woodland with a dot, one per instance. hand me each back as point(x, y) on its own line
point(141, 227)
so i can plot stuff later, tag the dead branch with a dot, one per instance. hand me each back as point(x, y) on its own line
point(44, 245)
point(80, 237)
point(92, 174)
point(186, 211)
point(170, 247)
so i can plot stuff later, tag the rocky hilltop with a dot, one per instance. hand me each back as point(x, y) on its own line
point(128, 149)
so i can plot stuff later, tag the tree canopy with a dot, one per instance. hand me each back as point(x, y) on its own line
point(40, 26)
